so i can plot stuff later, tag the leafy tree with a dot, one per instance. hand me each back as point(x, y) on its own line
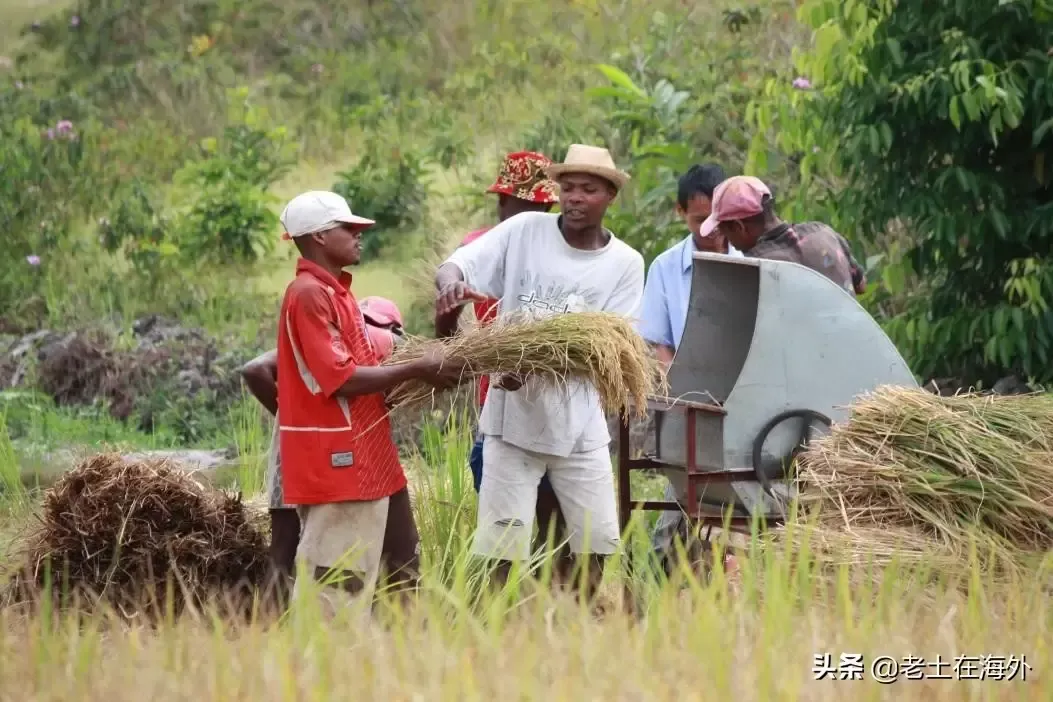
point(926, 131)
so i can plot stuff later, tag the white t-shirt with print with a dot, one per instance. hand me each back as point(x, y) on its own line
point(527, 264)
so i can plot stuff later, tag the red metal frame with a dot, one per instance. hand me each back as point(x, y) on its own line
point(627, 464)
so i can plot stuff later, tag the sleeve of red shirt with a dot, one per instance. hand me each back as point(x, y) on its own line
point(317, 330)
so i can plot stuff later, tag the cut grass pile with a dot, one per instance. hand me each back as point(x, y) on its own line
point(597, 347)
point(137, 536)
point(935, 479)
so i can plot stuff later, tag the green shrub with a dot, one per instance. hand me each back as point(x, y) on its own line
point(48, 178)
point(229, 218)
point(387, 187)
point(231, 221)
point(669, 101)
point(136, 229)
point(924, 131)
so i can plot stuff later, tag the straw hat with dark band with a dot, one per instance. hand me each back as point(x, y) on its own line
point(593, 160)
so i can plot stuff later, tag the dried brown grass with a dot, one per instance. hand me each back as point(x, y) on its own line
point(918, 477)
point(598, 347)
point(140, 537)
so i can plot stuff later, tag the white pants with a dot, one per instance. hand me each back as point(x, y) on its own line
point(584, 486)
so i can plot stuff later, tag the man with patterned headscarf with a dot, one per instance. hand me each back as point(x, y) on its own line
point(521, 186)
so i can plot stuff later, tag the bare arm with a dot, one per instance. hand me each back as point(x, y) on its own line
point(260, 376)
point(368, 380)
point(452, 294)
point(665, 354)
point(336, 372)
point(447, 275)
point(447, 325)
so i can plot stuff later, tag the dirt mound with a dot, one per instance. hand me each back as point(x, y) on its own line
point(129, 534)
point(159, 365)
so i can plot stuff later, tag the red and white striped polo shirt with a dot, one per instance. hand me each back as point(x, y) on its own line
point(333, 449)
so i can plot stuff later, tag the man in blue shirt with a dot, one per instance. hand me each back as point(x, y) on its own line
point(667, 292)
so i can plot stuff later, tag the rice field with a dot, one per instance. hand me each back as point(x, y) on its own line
point(778, 629)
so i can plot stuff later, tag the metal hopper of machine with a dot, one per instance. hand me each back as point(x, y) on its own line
point(771, 352)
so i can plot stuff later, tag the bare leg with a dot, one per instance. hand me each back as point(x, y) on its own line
point(401, 559)
point(285, 537)
point(586, 591)
point(550, 517)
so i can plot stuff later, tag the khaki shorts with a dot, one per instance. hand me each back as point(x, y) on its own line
point(357, 539)
point(584, 486)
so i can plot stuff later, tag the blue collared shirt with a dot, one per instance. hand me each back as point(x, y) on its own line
point(667, 291)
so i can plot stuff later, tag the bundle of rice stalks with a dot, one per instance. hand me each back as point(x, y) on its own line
point(952, 471)
point(142, 537)
point(597, 347)
point(865, 545)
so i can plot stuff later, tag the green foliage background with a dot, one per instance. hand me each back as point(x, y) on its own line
point(925, 135)
point(146, 147)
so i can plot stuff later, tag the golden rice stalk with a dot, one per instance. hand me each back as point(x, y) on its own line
point(870, 551)
point(597, 347)
point(870, 545)
point(949, 468)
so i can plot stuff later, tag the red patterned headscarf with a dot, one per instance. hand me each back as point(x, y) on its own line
point(523, 176)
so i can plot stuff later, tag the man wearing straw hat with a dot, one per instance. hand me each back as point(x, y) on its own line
point(521, 186)
point(544, 264)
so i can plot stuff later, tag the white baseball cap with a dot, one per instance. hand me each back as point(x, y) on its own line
point(318, 211)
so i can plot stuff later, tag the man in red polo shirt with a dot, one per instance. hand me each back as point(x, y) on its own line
point(521, 186)
point(340, 465)
point(260, 375)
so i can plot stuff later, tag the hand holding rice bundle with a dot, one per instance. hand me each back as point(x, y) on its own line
point(599, 347)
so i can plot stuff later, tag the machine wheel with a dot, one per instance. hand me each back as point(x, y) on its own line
point(808, 419)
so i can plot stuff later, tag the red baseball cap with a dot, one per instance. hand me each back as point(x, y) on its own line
point(382, 340)
point(522, 176)
point(380, 311)
point(738, 197)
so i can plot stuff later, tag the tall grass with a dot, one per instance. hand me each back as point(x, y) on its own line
point(252, 443)
point(752, 637)
point(14, 496)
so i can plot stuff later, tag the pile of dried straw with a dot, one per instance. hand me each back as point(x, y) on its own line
point(920, 477)
point(130, 534)
point(600, 347)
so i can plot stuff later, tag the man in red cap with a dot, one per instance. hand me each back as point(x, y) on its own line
point(521, 186)
point(744, 213)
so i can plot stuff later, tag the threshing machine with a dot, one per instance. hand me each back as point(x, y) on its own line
point(772, 352)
